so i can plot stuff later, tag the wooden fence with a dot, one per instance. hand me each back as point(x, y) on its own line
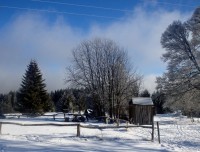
point(18, 115)
point(78, 125)
point(36, 124)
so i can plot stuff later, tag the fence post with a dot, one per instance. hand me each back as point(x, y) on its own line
point(78, 130)
point(158, 132)
point(0, 127)
point(126, 125)
point(117, 122)
point(152, 135)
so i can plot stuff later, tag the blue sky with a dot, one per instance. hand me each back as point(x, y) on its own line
point(47, 30)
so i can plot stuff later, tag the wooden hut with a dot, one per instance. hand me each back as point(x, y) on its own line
point(141, 111)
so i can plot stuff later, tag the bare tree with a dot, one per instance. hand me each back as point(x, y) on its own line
point(182, 79)
point(102, 67)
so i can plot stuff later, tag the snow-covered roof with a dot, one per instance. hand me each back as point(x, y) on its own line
point(142, 101)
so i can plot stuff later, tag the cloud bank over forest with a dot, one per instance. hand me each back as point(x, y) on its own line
point(33, 36)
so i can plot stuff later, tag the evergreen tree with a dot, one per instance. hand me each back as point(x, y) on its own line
point(65, 101)
point(159, 99)
point(32, 96)
point(56, 97)
point(145, 93)
point(6, 105)
point(80, 98)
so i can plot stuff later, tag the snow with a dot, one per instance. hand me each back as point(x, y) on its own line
point(178, 133)
point(142, 101)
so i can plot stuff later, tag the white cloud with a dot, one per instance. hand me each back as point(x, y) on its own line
point(149, 82)
point(32, 36)
point(140, 33)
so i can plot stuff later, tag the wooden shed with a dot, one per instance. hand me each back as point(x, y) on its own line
point(141, 111)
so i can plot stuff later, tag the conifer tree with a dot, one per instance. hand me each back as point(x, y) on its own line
point(145, 93)
point(32, 96)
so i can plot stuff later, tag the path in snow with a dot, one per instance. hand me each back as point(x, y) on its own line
point(180, 134)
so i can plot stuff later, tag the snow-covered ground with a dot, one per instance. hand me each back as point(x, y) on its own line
point(177, 134)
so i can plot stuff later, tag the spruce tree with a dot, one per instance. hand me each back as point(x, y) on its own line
point(32, 96)
point(145, 93)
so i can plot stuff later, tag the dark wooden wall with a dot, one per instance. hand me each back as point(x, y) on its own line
point(141, 114)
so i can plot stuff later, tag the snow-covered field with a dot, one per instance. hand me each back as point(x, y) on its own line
point(177, 134)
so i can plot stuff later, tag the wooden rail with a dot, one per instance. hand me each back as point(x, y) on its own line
point(25, 114)
point(78, 125)
point(28, 114)
point(13, 115)
point(50, 115)
point(37, 124)
point(40, 124)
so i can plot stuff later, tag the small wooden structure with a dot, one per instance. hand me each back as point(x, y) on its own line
point(141, 111)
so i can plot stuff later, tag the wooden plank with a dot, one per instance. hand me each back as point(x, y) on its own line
point(141, 114)
point(112, 127)
point(39, 124)
point(50, 115)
